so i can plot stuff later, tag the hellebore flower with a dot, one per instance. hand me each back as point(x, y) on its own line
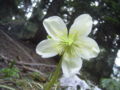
point(74, 44)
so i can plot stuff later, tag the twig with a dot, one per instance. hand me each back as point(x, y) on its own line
point(36, 64)
point(28, 64)
point(35, 70)
point(25, 67)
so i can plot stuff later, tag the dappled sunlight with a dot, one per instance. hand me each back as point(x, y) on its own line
point(116, 68)
point(117, 60)
point(96, 3)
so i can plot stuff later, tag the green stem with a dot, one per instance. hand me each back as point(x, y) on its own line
point(7, 87)
point(54, 77)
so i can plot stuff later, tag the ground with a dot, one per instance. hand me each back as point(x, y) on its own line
point(12, 49)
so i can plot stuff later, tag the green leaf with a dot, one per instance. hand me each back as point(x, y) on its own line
point(6, 87)
point(110, 84)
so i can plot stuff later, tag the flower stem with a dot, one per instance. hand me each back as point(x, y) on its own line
point(54, 77)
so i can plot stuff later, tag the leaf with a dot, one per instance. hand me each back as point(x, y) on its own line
point(110, 84)
point(6, 87)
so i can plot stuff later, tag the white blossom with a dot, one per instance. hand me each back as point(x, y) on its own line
point(74, 45)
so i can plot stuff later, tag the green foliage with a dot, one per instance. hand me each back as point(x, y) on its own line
point(6, 87)
point(37, 77)
point(114, 11)
point(10, 72)
point(110, 84)
point(111, 19)
point(10, 80)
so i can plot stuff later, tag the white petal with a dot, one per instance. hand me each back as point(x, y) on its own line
point(73, 82)
point(71, 66)
point(88, 48)
point(82, 25)
point(55, 27)
point(46, 48)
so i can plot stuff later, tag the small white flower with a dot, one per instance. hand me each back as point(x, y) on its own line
point(74, 44)
point(72, 82)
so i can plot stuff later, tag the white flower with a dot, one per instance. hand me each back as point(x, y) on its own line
point(72, 82)
point(74, 44)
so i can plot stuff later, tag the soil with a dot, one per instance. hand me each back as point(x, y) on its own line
point(12, 49)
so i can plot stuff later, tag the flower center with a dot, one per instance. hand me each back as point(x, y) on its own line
point(66, 46)
point(68, 42)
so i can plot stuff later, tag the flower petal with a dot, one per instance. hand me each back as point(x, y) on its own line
point(88, 48)
point(71, 66)
point(46, 48)
point(55, 27)
point(82, 25)
point(74, 82)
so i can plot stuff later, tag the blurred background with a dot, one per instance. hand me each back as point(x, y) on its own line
point(22, 21)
